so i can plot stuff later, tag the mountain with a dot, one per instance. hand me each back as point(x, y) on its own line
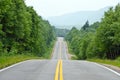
point(77, 19)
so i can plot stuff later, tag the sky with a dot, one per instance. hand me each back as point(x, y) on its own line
point(49, 8)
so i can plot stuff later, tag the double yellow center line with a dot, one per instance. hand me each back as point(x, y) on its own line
point(59, 71)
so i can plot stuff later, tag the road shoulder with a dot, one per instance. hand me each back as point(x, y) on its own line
point(115, 68)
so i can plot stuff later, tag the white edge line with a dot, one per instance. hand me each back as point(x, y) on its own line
point(1, 70)
point(107, 68)
point(65, 45)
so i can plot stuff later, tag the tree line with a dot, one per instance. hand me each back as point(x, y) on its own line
point(99, 40)
point(22, 30)
point(61, 32)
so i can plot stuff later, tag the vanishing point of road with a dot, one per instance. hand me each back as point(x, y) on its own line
point(58, 68)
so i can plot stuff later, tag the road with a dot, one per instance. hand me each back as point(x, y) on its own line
point(60, 50)
point(58, 68)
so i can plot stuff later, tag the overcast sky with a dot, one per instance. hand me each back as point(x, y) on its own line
point(48, 8)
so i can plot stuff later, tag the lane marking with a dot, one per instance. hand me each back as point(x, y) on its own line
point(6, 68)
point(107, 69)
point(59, 71)
point(16, 64)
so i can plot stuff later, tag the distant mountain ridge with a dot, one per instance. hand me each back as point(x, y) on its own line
point(77, 18)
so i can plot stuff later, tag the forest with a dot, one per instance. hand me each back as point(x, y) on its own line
point(99, 40)
point(23, 31)
point(61, 32)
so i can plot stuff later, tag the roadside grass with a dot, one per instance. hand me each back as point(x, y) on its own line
point(106, 61)
point(9, 60)
point(115, 62)
point(6, 60)
point(74, 58)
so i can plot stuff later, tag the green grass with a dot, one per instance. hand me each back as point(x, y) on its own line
point(74, 58)
point(9, 60)
point(102, 61)
point(6, 60)
point(106, 61)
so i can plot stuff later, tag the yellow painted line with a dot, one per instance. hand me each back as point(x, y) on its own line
point(59, 71)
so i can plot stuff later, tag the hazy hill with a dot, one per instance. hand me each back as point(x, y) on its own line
point(77, 18)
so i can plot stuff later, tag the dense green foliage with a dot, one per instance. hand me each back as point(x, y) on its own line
point(61, 32)
point(101, 39)
point(9, 60)
point(22, 31)
point(107, 62)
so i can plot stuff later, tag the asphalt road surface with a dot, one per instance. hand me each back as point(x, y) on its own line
point(58, 68)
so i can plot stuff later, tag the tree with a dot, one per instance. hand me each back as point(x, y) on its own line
point(101, 39)
point(86, 25)
point(22, 31)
